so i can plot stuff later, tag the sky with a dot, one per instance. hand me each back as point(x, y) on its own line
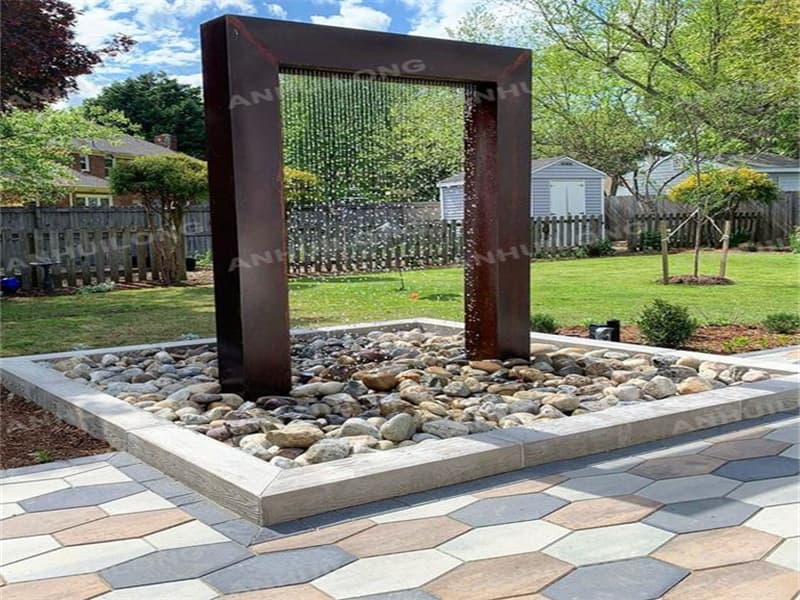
point(167, 31)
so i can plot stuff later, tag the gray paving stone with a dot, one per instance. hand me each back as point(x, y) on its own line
point(278, 569)
point(169, 488)
point(87, 495)
point(632, 579)
point(508, 509)
point(767, 467)
point(85, 460)
point(33, 469)
point(142, 472)
point(401, 595)
point(123, 459)
point(239, 530)
point(699, 515)
point(208, 512)
point(175, 564)
point(184, 499)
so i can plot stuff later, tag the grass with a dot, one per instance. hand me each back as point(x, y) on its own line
point(573, 291)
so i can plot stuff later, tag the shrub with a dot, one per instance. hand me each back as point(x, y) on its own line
point(650, 240)
point(739, 237)
point(783, 322)
point(794, 240)
point(600, 248)
point(543, 323)
point(664, 324)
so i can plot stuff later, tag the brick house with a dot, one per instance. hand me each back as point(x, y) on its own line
point(90, 185)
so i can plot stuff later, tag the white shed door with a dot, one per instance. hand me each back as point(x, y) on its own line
point(567, 198)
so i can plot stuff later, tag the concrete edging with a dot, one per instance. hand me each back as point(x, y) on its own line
point(268, 495)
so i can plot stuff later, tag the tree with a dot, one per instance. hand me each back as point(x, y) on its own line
point(719, 192)
point(167, 184)
point(39, 57)
point(300, 187)
point(37, 149)
point(157, 104)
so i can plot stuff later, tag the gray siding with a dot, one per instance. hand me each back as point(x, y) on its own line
point(452, 197)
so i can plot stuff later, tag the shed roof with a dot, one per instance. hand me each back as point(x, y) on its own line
point(85, 180)
point(537, 164)
point(763, 160)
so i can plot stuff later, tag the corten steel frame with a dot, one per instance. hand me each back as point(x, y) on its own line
point(242, 58)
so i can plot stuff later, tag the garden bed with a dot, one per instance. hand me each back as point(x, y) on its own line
point(264, 492)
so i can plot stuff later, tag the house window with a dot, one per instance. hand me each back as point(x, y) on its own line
point(85, 163)
point(109, 164)
point(92, 200)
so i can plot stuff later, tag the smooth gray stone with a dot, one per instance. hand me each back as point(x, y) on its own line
point(277, 569)
point(766, 467)
point(700, 515)
point(209, 513)
point(87, 495)
point(175, 564)
point(633, 579)
point(508, 509)
point(142, 472)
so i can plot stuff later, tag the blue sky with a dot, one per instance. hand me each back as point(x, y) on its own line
point(167, 31)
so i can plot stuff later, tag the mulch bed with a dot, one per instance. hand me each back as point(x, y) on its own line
point(27, 430)
point(714, 339)
point(700, 280)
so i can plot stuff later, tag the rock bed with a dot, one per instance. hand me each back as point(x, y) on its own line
point(365, 393)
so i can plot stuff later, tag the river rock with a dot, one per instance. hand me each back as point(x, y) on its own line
point(295, 435)
point(660, 387)
point(398, 428)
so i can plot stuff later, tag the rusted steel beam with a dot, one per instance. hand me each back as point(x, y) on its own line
point(242, 58)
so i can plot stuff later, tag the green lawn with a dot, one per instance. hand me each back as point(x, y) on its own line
point(573, 291)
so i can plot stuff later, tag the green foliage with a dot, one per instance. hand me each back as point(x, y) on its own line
point(721, 191)
point(600, 248)
point(100, 288)
point(42, 456)
point(38, 149)
point(543, 323)
point(666, 325)
point(300, 187)
point(204, 259)
point(782, 322)
point(794, 240)
point(650, 240)
point(156, 103)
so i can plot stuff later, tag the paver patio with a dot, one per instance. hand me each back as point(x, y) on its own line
point(706, 515)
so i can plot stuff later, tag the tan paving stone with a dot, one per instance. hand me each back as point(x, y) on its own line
point(740, 449)
point(744, 434)
point(121, 527)
point(600, 512)
point(76, 587)
point(717, 548)
point(292, 592)
point(677, 466)
point(319, 537)
point(40, 523)
point(493, 578)
point(738, 582)
point(530, 486)
point(403, 536)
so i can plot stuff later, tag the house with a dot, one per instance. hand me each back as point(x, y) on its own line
point(89, 185)
point(560, 186)
point(666, 171)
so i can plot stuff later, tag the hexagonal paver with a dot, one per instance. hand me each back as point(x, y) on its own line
point(303, 591)
point(739, 449)
point(683, 489)
point(174, 564)
point(478, 580)
point(613, 484)
point(75, 587)
point(384, 574)
point(677, 466)
point(787, 554)
point(503, 540)
point(741, 434)
point(608, 543)
point(783, 520)
point(752, 469)
point(600, 512)
point(789, 433)
point(700, 515)
point(402, 536)
point(89, 495)
point(633, 579)
point(439, 508)
point(748, 580)
point(792, 451)
point(48, 522)
point(318, 537)
point(507, 509)
point(716, 548)
point(528, 486)
point(768, 492)
point(277, 569)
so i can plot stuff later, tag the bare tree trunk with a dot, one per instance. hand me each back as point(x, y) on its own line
point(726, 235)
point(698, 238)
point(664, 252)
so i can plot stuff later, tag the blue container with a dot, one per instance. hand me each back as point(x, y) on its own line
point(10, 285)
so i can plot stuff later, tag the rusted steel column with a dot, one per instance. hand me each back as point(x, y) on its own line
point(245, 166)
point(497, 215)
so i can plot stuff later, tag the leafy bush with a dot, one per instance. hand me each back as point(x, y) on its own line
point(300, 187)
point(204, 259)
point(601, 248)
point(543, 323)
point(650, 240)
point(783, 322)
point(664, 324)
point(794, 240)
point(739, 237)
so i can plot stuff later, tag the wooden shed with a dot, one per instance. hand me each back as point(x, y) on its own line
point(560, 187)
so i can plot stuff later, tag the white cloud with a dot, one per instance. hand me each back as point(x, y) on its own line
point(195, 79)
point(352, 13)
point(277, 11)
point(434, 17)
